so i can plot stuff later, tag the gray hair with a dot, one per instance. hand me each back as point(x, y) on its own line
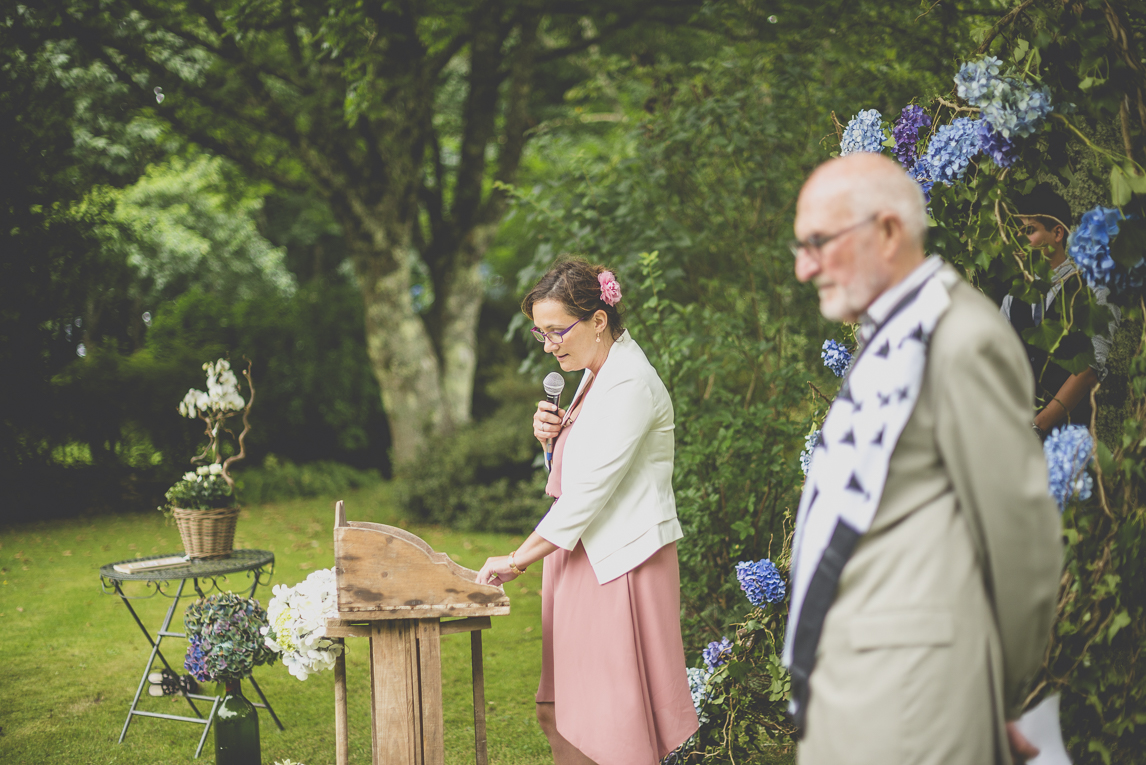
point(893, 192)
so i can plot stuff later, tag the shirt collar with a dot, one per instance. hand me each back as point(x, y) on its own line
point(1064, 269)
point(883, 305)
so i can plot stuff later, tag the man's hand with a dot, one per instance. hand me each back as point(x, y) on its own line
point(1021, 749)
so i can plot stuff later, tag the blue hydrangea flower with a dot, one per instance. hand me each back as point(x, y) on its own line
point(761, 582)
point(906, 133)
point(996, 145)
point(717, 653)
point(1013, 107)
point(1017, 108)
point(863, 133)
point(921, 174)
point(836, 357)
point(976, 78)
point(810, 442)
point(951, 150)
point(1068, 452)
point(698, 688)
point(196, 661)
point(1090, 250)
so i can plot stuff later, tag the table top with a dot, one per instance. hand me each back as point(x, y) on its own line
point(237, 560)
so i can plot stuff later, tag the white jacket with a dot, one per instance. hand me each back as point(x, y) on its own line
point(616, 470)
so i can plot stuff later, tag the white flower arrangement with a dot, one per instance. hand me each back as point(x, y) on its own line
point(214, 407)
point(222, 393)
point(297, 629)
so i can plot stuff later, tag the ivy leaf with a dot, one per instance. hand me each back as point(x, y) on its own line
point(1105, 459)
point(1103, 752)
point(1130, 242)
point(738, 669)
point(1136, 182)
point(1119, 187)
point(1121, 619)
point(1022, 47)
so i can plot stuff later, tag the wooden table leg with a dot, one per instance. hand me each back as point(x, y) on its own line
point(341, 728)
point(479, 698)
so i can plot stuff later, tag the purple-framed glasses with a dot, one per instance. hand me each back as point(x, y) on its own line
point(554, 337)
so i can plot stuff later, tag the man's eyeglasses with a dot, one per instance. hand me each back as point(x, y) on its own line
point(816, 241)
point(554, 337)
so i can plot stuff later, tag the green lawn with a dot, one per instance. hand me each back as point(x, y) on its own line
point(70, 656)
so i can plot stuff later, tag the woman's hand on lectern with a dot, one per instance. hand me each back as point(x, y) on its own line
point(496, 571)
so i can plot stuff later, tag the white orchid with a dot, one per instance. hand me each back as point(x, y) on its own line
point(297, 628)
point(222, 393)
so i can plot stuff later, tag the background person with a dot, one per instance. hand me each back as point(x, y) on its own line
point(613, 688)
point(927, 550)
point(1060, 396)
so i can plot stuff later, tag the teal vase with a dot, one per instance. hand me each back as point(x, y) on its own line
point(236, 729)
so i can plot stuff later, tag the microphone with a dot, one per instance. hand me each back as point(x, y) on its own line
point(553, 384)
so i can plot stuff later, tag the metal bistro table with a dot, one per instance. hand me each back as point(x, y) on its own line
point(205, 575)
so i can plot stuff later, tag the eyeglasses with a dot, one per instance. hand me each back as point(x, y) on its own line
point(553, 337)
point(815, 242)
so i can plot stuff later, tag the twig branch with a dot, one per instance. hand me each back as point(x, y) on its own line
point(1003, 22)
point(246, 428)
point(956, 107)
point(819, 392)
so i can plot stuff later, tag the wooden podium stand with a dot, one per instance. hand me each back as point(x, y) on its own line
point(395, 590)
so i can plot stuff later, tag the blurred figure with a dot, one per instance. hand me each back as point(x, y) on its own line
point(927, 550)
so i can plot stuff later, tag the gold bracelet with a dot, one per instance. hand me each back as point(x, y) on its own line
point(513, 566)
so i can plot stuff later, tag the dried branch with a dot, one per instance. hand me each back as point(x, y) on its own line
point(957, 108)
point(246, 427)
point(1003, 22)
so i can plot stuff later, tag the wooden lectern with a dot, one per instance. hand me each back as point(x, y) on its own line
point(394, 589)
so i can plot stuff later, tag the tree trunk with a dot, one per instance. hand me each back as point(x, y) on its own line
point(404, 363)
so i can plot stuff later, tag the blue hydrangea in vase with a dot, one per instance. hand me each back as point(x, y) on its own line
point(225, 632)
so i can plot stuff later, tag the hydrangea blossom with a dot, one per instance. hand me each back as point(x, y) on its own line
point(1011, 106)
point(698, 687)
point(196, 662)
point(996, 145)
point(921, 174)
point(810, 442)
point(951, 150)
point(863, 133)
point(1017, 108)
point(976, 79)
point(1090, 250)
point(297, 628)
point(761, 582)
point(836, 357)
point(906, 133)
point(717, 653)
point(1068, 452)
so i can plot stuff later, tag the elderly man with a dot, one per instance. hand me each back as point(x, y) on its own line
point(927, 551)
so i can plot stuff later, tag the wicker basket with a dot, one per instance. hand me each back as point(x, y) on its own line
point(207, 533)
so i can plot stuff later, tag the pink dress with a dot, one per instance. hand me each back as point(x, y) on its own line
point(612, 657)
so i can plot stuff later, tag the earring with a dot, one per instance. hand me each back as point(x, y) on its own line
point(598, 337)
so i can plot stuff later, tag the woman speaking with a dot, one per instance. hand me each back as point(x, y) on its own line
point(613, 687)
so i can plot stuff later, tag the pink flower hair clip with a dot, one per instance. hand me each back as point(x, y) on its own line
point(610, 290)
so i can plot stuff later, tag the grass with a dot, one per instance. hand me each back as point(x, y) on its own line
point(71, 656)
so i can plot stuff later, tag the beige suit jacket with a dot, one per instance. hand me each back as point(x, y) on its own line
point(943, 612)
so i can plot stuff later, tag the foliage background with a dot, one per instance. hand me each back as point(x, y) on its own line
point(672, 152)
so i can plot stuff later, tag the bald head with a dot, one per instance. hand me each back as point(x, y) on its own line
point(863, 222)
point(864, 183)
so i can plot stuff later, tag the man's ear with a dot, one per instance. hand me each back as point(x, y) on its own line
point(1059, 233)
